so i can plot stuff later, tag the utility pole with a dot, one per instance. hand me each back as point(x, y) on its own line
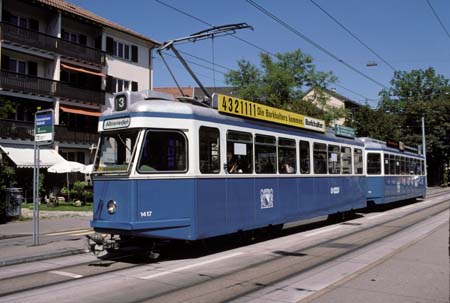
point(424, 151)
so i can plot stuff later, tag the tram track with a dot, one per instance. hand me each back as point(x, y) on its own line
point(264, 274)
point(285, 260)
point(54, 276)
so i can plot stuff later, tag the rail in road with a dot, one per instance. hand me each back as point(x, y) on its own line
point(219, 277)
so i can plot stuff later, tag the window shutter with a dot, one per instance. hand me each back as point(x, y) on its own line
point(32, 68)
point(109, 45)
point(33, 24)
point(134, 86)
point(110, 85)
point(134, 53)
point(6, 16)
point(98, 42)
point(5, 62)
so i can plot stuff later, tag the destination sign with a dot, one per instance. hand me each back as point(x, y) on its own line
point(116, 123)
point(244, 108)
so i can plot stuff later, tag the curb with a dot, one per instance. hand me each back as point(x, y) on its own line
point(43, 257)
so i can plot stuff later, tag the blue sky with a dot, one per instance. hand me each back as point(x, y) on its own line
point(404, 32)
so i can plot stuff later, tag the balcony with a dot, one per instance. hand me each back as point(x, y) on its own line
point(25, 131)
point(44, 87)
point(33, 39)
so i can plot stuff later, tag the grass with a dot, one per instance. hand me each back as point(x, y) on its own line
point(61, 207)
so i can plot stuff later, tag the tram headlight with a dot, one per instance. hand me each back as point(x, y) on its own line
point(111, 206)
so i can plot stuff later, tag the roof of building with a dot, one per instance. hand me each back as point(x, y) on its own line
point(338, 96)
point(174, 91)
point(81, 12)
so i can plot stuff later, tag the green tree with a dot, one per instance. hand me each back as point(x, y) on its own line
point(413, 95)
point(282, 81)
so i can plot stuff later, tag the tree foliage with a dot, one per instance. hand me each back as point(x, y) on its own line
point(282, 81)
point(412, 95)
point(6, 107)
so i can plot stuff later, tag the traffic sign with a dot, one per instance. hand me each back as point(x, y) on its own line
point(44, 127)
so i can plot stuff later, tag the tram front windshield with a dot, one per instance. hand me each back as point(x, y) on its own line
point(116, 151)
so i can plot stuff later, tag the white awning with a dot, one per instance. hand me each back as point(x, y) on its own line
point(23, 155)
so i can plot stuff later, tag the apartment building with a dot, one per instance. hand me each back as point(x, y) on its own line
point(57, 55)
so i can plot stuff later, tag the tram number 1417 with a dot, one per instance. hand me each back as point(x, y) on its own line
point(239, 107)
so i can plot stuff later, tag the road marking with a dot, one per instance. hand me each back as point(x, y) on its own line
point(322, 231)
point(69, 232)
point(190, 266)
point(376, 216)
point(66, 274)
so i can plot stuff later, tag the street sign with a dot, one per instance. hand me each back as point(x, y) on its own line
point(44, 127)
point(344, 131)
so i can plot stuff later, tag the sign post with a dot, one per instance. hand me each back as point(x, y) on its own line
point(43, 135)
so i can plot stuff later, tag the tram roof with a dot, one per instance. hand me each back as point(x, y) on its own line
point(374, 144)
point(170, 108)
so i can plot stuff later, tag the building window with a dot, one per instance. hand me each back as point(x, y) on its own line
point(20, 21)
point(114, 85)
point(121, 50)
point(209, 150)
point(74, 37)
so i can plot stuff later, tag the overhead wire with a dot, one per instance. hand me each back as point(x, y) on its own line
point(209, 24)
point(313, 43)
point(352, 34)
point(234, 36)
point(438, 19)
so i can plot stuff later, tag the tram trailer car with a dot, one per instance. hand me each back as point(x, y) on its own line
point(166, 170)
point(394, 172)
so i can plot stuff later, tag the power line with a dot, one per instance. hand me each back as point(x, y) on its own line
point(310, 41)
point(209, 24)
point(438, 19)
point(352, 34)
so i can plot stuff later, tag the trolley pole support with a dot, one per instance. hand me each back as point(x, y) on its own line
point(424, 151)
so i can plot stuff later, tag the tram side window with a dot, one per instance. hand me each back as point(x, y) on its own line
point(403, 165)
point(163, 151)
point(397, 165)
point(392, 165)
point(373, 164)
point(305, 161)
point(422, 168)
point(287, 156)
point(320, 158)
point(358, 156)
point(265, 155)
point(386, 164)
point(409, 166)
point(346, 158)
point(239, 153)
point(209, 150)
point(334, 159)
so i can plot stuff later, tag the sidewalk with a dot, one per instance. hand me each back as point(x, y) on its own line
point(16, 237)
point(418, 273)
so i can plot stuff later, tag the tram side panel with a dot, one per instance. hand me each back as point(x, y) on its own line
point(145, 208)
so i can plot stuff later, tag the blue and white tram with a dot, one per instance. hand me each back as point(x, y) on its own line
point(394, 173)
point(171, 170)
